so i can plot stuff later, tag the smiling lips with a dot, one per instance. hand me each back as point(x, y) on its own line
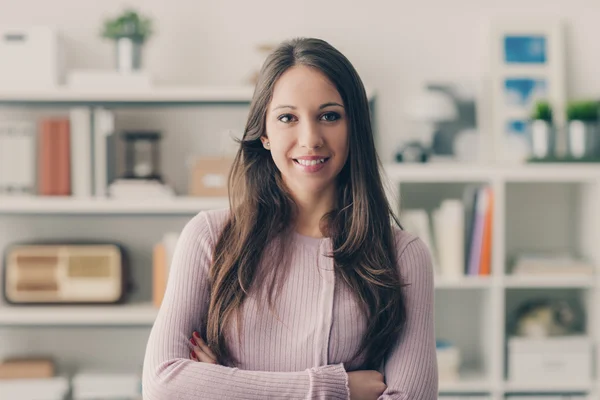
point(311, 163)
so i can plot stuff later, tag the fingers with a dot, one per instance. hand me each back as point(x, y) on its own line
point(203, 346)
point(200, 351)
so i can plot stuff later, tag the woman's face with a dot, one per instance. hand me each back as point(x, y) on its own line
point(307, 130)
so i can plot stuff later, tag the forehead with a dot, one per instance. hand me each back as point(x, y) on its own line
point(304, 86)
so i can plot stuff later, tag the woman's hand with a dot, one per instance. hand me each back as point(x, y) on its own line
point(365, 385)
point(200, 351)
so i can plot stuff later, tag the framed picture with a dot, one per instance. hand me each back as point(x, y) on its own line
point(526, 65)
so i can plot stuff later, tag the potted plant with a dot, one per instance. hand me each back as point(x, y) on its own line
point(583, 133)
point(129, 31)
point(542, 132)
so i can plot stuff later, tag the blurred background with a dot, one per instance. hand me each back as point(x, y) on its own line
point(117, 122)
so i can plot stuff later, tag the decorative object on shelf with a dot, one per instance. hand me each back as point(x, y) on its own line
point(465, 95)
point(142, 155)
point(544, 317)
point(527, 65)
point(449, 361)
point(32, 58)
point(428, 108)
point(542, 131)
point(412, 152)
point(468, 146)
point(66, 273)
point(142, 178)
point(209, 176)
point(129, 31)
point(583, 130)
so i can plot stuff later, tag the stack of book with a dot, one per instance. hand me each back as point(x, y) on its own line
point(459, 232)
point(479, 220)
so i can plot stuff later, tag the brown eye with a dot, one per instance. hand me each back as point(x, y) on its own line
point(330, 116)
point(286, 118)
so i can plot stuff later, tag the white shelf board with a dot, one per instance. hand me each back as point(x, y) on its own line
point(458, 172)
point(566, 281)
point(548, 387)
point(438, 172)
point(71, 205)
point(553, 172)
point(115, 94)
point(157, 94)
point(470, 382)
point(125, 314)
point(465, 282)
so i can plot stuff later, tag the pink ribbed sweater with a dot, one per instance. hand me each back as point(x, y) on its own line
point(305, 353)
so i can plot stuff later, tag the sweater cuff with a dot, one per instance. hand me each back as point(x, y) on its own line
point(329, 382)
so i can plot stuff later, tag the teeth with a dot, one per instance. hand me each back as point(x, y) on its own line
point(310, 162)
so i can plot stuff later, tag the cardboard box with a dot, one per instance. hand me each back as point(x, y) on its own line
point(209, 176)
point(26, 368)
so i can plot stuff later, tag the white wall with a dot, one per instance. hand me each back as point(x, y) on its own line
point(395, 45)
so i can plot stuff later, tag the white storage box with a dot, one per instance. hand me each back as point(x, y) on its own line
point(32, 58)
point(562, 359)
point(55, 388)
point(92, 385)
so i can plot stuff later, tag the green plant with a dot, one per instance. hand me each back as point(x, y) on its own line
point(128, 25)
point(582, 110)
point(542, 110)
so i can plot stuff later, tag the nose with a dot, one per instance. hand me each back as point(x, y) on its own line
point(310, 136)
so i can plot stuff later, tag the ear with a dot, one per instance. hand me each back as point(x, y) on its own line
point(265, 142)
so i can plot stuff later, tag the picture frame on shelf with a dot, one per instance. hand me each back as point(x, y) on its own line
point(526, 64)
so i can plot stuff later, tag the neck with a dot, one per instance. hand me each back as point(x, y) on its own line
point(311, 208)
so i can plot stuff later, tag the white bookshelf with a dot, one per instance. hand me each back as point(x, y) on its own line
point(541, 206)
point(538, 205)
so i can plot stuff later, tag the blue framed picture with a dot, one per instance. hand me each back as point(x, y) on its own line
point(516, 127)
point(523, 92)
point(525, 49)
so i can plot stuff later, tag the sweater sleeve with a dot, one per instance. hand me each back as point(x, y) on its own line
point(411, 369)
point(168, 373)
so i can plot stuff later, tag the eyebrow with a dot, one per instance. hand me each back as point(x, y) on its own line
point(322, 106)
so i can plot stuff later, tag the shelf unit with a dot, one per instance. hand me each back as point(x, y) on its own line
point(533, 202)
point(485, 298)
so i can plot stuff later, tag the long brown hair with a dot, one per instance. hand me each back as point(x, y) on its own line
point(262, 209)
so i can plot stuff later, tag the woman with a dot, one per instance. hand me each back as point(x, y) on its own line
point(302, 289)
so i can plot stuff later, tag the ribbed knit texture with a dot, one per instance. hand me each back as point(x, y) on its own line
point(303, 350)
